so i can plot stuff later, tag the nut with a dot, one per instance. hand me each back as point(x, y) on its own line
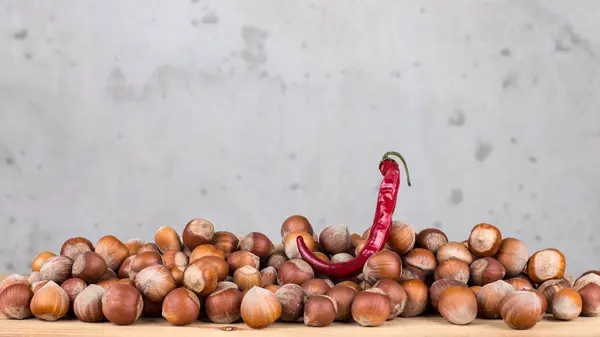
point(319, 310)
point(296, 223)
point(13, 279)
point(402, 237)
point(88, 304)
point(513, 255)
point(276, 260)
point(181, 307)
point(484, 240)
point(223, 305)
point(590, 296)
point(206, 250)
point(260, 308)
point(247, 277)
point(89, 267)
point(143, 260)
point(355, 238)
point(35, 276)
point(74, 247)
point(108, 275)
point(586, 279)
point(112, 250)
point(201, 277)
point(73, 287)
point(38, 285)
point(520, 310)
point(486, 270)
point(545, 265)
point(294, 271)
point(417, 297)
point(106, 284)
point(38, 262)
point(550, 288)
point(371, 307)
point(134, 245)
point(422, 259)
point(148, 247)
point(268, 276)
point(364, 285)
point(412, 273)
point(519, 283)
point(221, 264)
point(343, 296)
point(454, 250)
point(541, 298)
point(241, 258)
point(177, 274)
point(291, 247)
point(57, 269)
point(198, 232)
point(15, 300)
point(567, 304)
point(125, 267)
point(395, 293)
point(174, 258)
point(336, 239)
point(272, 288)
point(438, 287)
point(166, 238)
point(381, 265)
point(314, 287)
point(458, 305)
point(155, 282)
point(226, 241)
point(350, 284)
point(341, 257)
point(359, 246)
point(453, 268)
point(475, 289)
point(257, 243)
point(50, 303)
point(122, 304)
point(431, 239)
point(291, 297)
point(490, 296)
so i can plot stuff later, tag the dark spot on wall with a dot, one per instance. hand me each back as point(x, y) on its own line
point(437, 224)
point(505, 52)
point(313, 6)
point(9, 161)
point(529, 26)
point(307, 75)
point(467, 37)
point(328, 75)
point(238, 177)
point(294, 186)
point(491, 212)
point(96, 225)
point(28, 56)
point(139, 224)
point(254, 46)
point(535, 81)
point(545, 216)
point(223, 188)
point(538, 238)
point(119, 136)
point(293, 156)
point(22, 153)
point(513, 140)
point(32, 197)
point(12, 220)
point(264, 74)
point(423, 11)
point(72, 65)
point(203, 191)
point(195, 1)
point(518, 231)
point(483, 150)
point(591, 238)
point(521, 187)
point(456, 196)
point(194, 22)
point(39, 167)
point(526, 216)
point(533, 159)
point(510, 80)
point(533, 195)
point(20, 35)
point(416, 64)
point(303, 45)
point(457, 118)
point(373, 106)
point(343, 72)
point(396, 73)
point(210, 18)
point(10, 266)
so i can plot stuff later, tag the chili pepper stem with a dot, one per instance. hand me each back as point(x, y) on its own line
point(387, 155)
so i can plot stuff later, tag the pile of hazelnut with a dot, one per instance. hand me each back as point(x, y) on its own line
point(221, 277)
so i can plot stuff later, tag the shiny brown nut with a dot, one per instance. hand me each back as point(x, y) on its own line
point(454, 250)
point(223, 305)
point(74, 247)
point(484, 240)
point(241, 258)
point(567, 304)
point(546, 265)
point(490, 296)
point(143, 260)
point(343, 297)
point(201, 277)
point(276, 260)
point(50, 303)
point(381, 265)
point(431, 239)
point(89, 266)
point(341, 257)
point(520, 310)
point(350, 284)
point(296, 223)
point(438, 287)
point(148, 247)
point(513, 255)
point(458, 305)
point(519, 283)
point(411, 273)
point(371, 307)
point(402, 237)
point(290, 245)
point(166, 238)
point(221, 264)
point(423, 259)
point(586, 279)
point(590, 296)
point(133, 245)
point(291, 297)
point(258, 244)
point(320, 310)
point(417, 297)
point(112, 250)
point(205, 250)
point(13, 279)
point(453, 268)
point(294, 271)
point(226, 241)
point(181, 307)
point(87, 306)
point(15, 300)
point(336, 239)
point(550, 288)
point(177, 274)
point(314, 287)
point(486, 270)
point(268, 276)
point(198, 232)
point(260, 308)
point(395, 293)
point(124, 268)
point(174, 258)
point(122, 304)
point(247, 277)
point(38, 261)
point(73, 287)
point(57, 269)
point(155, 282)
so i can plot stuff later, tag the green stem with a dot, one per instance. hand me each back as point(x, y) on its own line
point(393, 153)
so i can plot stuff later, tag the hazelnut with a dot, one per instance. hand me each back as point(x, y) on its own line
point(336, 239)
point(260, 308)
point(291, 248)
point(513, 255)
point(422, 259)
point(417, 297)
point(586, 279)
point(127, 281)
point(359, 246)
point(13, 279)
point(454, 250)
point(272, 288)
point(294, 271)
point(453, 268)
point(343, 296)
point(486, 270)
point(319, 310)
point(268, 276)
point(57, 269)
point(340, 257)
point(73, 287)
point(350, 284)
point(278, 248)
point(543, 302)
point(276, 260)
point(381, 265)
point(296, 223)
point(88, 304)
point(257, 243)
point(143, 260)
point(315, 286)
point(89, 267)
point(166, 238)
point(545, 265)
point(355, 238)
point(174, 258)
point(38, 261)
point(148, 247)
point(108, 275)
point(15, 300)
point(364, 285)
point(122, 304)
point(226, 241)
point(550, 288)
point(108, 283)
point(223, 305)
point(395, 293)
point(490, 296)
point(221, 264)
point(50, 303)
point(431, 239)
point(412, 273)
point(438, 287)
point(134, 245)
point(371, 307)
point(520, 310)
point(568, 278)
point(567, 304)
point(35, 276)
point(177, 274)
point(38, 285)
point(201, 277)
point(198, 232)
point(74, 247)
point(402, 237)
point(206, 250)
point(155, 282)
point(484, 240)
point(475, 289)
point(590, 296)
point(291, 297)
point(519, 283)
point(247, 277)
point(125, 267)
point(181, 307)
point(242, 258)
point(458, 305)
point(112, 250)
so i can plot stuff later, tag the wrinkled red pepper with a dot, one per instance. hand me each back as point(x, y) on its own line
point(380, 231)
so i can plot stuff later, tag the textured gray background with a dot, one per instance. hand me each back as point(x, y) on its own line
point(120, 117)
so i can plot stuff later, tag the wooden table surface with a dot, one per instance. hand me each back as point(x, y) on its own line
point(413, 327)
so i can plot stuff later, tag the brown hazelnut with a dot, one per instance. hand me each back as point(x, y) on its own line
point(454, 250)
point(89, 267)
point(106, 284)
point(174, 258)
point(540, 296)
point(396, 294)
point(201, 277)
point(38, 261)
point(206, 250)
point(519, 283)
point(320, 310)
point(226, 241)
point(221, 264)
point(88, 304)
point(402, 237)
point(294, 271)
point(74, 247)
point(343, 297)
point(257, 243)
point(134, 245)
point(567, 304)
point(412, 273)
point(423, 259)
point(122, 304)
point(315, 286)
point(38, 285)
point(291, 247)
point(155, 282)
point(177, 274)
point(13, 279)
point(350, 284)
point(520, 309)
point(148, 247)
point(475, 289)
point(15, 300)
point(260, 308)
point(242, 258)
point(181, 307)
point(359, 246)
point(438, 287)
point(127, 281)
point(50, 303)
point(486, 270)
point(109, 274)
point(458, 305)
point(417, 297)
point(364, 285)
point(276, 260)
point(272, 288)
point(590, 296)
point(112, 250)
point(143, 260)
point(198, 232)
point(57, 269)
point(484, 240)
point(355, 238)
point(371, 307)
point(125, 267)
point(340, 257)
point(223, 305)
point(73, 287)
point(166, 238)
point(247, 277)
point(268, 276)
point(291, 297)
point(431, 239)
point(336, 239)
point(35, 276)
point(381, 265)
point(545, 265)
point(550, 288)
point(490, 296)
point(453, 268)
point(586, 279)
point(296, 223)
point(513, 255)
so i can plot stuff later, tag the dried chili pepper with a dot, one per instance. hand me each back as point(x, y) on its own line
point(380, 230)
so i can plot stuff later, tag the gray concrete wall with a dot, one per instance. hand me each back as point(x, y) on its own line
point(120, 117)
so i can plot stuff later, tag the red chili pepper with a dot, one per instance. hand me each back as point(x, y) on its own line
point(380, 231)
